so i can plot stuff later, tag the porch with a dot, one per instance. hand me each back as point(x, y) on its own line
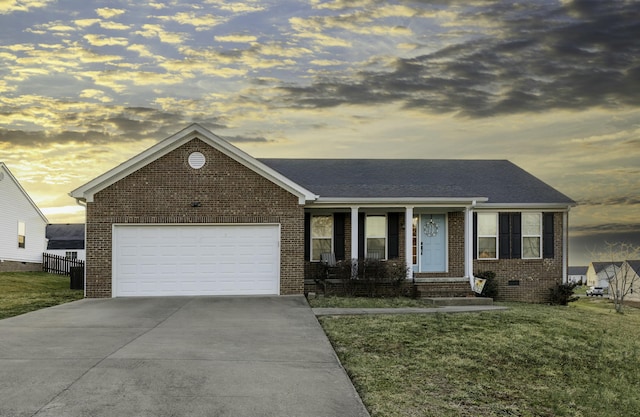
point(432, 244)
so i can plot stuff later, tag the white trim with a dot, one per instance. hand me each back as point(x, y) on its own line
point(354, 241)
point(496, 236)
point(565, 244)
point(419, 242)
point(468, 246)
point(385, 237)
point(311, 235)
point(408, 240)
point(435, 202)
point(193, 131)
point(539, 235)
point(556, 207)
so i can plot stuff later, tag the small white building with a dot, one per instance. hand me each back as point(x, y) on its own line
point(630, 280)
point(577, 274)
point(599, 273)
point(66, 240)
point(22, 227)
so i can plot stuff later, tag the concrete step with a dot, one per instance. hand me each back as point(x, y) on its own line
point(458, 301)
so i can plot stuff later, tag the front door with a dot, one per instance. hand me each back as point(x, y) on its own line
point(433, 243)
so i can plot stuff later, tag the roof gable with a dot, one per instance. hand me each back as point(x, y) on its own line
point(635, 266)
point(5, 174)
point(88, 190)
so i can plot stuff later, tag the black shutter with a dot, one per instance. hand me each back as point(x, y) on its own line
point(307, 236)
point(338, 235)
point(361, 221)
point(516, 235)
point(547, 235)
point(393, 226)
point(475, 235)
point(504, 233)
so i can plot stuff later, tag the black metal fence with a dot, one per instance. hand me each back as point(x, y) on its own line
point(55, 264)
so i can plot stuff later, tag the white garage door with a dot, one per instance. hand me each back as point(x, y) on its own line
point(196, 260)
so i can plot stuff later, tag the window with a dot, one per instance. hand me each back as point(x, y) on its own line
point(71, 255)
point(487, 235)
point(21, 234)
point(321, 236)
point(376, 237)
point(531, 235)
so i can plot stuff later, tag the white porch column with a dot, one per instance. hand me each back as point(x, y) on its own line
point(354, 241)
point(468, 245)
point(408, 240)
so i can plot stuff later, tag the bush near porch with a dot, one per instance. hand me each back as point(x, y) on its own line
point(375, 278)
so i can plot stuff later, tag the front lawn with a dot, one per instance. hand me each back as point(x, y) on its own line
point(21, 292)
point(531, 360)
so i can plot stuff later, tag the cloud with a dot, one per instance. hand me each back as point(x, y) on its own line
point(157, 31)
point(101, 40)
point(199, 21)
point(10, 6)
point(239, 38)
point(107, 12)
point(528, 57)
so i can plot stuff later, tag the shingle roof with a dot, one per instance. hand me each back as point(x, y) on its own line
point(600, 266)
point(500, 181)
point(65, 236)
point(577, 270)
point(635, 265)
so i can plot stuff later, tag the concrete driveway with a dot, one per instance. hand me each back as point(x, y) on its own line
point(179, 356)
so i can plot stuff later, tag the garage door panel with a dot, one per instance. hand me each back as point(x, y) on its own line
point(196, 260)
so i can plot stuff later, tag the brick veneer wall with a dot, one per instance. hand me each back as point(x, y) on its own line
point(534, 276)
point(162, 192)
point(455, 231)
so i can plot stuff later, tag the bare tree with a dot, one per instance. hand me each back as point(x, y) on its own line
point(620, 276)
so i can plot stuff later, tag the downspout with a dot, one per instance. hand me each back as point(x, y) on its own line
point(468, 243)
point(83, 203)
point(565, 244)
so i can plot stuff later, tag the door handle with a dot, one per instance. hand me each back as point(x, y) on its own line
point(421, 243)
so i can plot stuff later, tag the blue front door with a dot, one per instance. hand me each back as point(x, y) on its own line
point(433, 243)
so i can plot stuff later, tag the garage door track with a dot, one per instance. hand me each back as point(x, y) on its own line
point(178, 356)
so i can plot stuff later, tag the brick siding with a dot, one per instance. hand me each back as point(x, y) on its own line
point(162, 192)
point(534, 277)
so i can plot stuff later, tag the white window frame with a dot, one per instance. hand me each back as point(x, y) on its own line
point(312, 237)
point(367, 236)
point(71, 255)
point(22, 232)
point(538, 235)
point(494, 236)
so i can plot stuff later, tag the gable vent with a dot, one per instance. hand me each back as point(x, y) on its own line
point(197, 160)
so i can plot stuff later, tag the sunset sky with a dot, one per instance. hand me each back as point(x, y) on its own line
point(553, 86)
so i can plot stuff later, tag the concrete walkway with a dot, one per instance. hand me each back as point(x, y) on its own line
point(179, 356)
point(405, 310)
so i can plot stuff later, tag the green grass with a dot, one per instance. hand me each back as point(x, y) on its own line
point(22, 292)
point(531, 360)
point(366, 302)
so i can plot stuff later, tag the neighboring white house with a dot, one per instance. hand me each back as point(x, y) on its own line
point(577, 274)
point(66, 240)
point(630, 274)
point(599, 273)
point(22, 226)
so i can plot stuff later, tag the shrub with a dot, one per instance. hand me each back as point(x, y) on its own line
point(562, 294)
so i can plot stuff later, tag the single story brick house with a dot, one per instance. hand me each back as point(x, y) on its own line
point(194, 215)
